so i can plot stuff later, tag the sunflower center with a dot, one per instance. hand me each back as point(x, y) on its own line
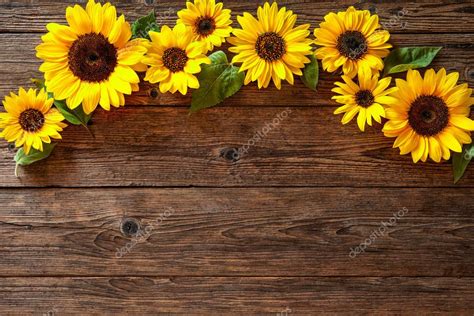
point(428, 115)
point(175, 59)
point(205, 26)
point(364, 98)
point(270, 46)
point(92, 58)
point(352, 44)
point(31, 120)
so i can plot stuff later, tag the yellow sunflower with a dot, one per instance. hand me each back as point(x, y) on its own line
point(30, 120)
point(208, 21)
point(174, 59)
point(365, 99)
point(271, 47)
point(430, 116)
point(92, 60)
point(351, 39)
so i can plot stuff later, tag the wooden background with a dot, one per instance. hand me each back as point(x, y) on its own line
point(269, 233)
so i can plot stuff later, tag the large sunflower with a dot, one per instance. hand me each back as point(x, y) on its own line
point(365, 99)
point(92, 60)
point(351, 39)
point(30, 120)
point(430, 116)
point(174, 59)
point(208, 21)
point(271, 47)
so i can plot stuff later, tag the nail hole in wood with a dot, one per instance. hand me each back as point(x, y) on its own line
point(471, 73)
point(130, 227)
point(154, 93)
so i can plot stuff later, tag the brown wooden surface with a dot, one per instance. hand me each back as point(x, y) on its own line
point(236, 232)
point(269, 233)
point(243, 296)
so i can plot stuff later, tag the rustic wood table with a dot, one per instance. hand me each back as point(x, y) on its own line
point(268, 233)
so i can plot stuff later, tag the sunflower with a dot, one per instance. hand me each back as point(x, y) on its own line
point(174, 59)
point(271, 47)
point(92, 60)
point(30, 120)
point(208, 21)
point(351, 39)
point(365, 99)
point(430, 116)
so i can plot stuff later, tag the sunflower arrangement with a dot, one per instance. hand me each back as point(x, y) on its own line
point(174, 59)
point(30, 120)
point(95, 60)
point(430, 116)
point(350, 40)
point(209, 22)
point(91, 60)
point(271, 48)
point(367, 99)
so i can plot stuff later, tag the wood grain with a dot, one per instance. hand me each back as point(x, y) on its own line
point(267, 233)
point(152, 146)
point(400, 16)
point(237, 232)
point(236, 296)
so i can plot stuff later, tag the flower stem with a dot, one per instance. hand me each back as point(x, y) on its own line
point(87, 128)
point(16, 170)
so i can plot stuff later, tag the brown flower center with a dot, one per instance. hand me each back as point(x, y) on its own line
point(270, 46)
point(92, 58)
point(364, 98)
point(428, 115)
point(175, 59)
point(205, 26)
point(352, 44)
point(31, 120)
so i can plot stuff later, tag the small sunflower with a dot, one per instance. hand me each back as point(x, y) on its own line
point(271, 47)
point(351, 39)
point(30, 120)
point(208, 21)
point(430, 116)
point(366, 99)
point(92, 61)
point(174, 59)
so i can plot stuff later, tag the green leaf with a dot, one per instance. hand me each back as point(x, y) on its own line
point(461, 161)
point(402, 59)
point(39, 83)
point(218, 81)
point(23, 159)
point(311, 73)
point(143, 25)
point(76, 116)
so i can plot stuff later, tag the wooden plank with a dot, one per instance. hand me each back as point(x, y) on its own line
point(19, 64)
point(237, 232)
point(236, 296)
point(150, 146)
point(401, 16)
